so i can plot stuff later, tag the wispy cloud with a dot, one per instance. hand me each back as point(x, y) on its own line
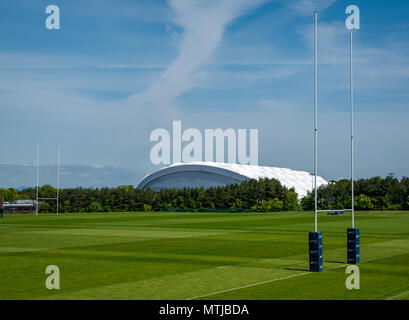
point(203, 24)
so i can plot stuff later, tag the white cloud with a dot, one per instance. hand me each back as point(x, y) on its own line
point(203, 24)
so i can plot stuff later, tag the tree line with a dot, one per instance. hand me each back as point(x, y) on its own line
point(254, 195)
point(369, 194)
point(264, 195)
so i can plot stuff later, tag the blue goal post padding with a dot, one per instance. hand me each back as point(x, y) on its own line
point(315, 251)
point(353, 246)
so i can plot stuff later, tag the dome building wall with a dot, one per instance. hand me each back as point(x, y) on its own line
point(211, 174)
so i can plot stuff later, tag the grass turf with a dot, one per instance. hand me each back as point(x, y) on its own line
point(199, 256)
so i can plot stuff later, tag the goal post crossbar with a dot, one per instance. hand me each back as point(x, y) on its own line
point(337, 210)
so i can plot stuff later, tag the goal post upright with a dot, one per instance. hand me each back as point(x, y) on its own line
point(315, 117)
point(315, 237)
point(38, 173)
point(58, 177)
point(351, 80)
point(353, 234)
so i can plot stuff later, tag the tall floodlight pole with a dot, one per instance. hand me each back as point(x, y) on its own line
point(38, 174)
point(315, 116)
point(351, 80)
point(58, 177)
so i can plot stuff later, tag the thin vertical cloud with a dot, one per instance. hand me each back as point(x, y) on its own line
point(203, 23)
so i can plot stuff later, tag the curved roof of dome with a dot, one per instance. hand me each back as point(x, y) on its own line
point(196, 174)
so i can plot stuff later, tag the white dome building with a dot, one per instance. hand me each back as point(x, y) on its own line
point(211, 174)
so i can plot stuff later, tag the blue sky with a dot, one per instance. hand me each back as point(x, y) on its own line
point(116, 70)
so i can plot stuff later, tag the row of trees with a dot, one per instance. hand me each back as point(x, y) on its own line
point(264, 195)
point(369, 194)
point(261, 195)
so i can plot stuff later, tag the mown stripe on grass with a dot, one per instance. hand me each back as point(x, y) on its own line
point(280, 279)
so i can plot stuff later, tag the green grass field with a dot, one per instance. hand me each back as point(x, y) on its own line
point(199, 256)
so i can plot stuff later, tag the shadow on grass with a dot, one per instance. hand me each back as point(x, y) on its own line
point(296, 269)
point(301, 269)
